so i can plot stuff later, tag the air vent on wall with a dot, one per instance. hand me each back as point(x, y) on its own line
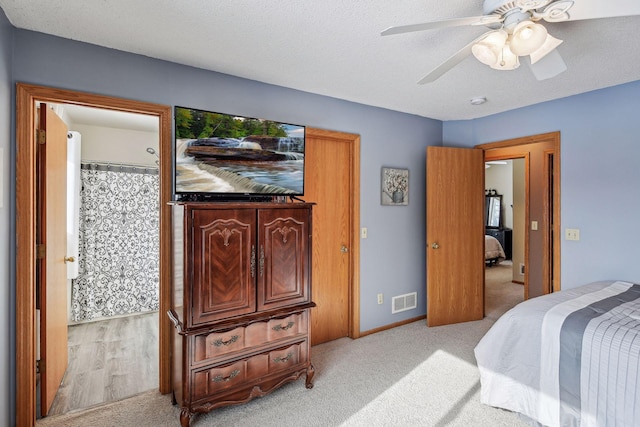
point(404, 302)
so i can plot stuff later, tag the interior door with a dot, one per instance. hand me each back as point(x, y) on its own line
point(52, 247)
point(328, 184)
point(455, 229)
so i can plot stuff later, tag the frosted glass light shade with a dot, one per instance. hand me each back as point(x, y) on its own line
point(527, 37)
point(488, 49)
point(485, 53)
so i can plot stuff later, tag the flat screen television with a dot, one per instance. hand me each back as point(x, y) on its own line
point(220, 156)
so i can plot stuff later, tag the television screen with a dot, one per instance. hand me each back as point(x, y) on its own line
point(222, 154)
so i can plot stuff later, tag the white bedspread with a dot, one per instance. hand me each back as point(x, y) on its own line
point(571, 358)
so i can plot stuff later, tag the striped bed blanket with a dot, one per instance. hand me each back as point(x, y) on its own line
point(571, 358)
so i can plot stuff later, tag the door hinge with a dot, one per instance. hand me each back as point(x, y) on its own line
point(40, 251)
point(39, 366)
point(41, 136)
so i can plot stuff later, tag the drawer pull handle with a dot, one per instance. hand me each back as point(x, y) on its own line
point(220, 342)
point(283, 328)
point(261, 261)
point(221, 379)
point(283, 359)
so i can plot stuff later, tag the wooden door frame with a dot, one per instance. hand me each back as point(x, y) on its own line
point(26, 97)
point(554, 139)
point(354, 222)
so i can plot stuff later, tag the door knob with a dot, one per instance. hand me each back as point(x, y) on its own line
point(69, 259)
point(344, 249)
point(434, 245)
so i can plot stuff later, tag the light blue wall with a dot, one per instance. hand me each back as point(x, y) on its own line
point(600, 185)
point(7, 291)
point(396, 234)
point(600, 174)
point(392, 258)
point(388, 257)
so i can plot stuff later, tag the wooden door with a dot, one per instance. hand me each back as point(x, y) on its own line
point(328, 183)
point(224, 250)
point(52, 247)
point(455, 242)
point(283, 257)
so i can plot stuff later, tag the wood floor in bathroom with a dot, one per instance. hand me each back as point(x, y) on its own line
point(109, 360)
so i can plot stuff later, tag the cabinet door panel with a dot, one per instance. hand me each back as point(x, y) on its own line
point(224, 264)
point(283, 258)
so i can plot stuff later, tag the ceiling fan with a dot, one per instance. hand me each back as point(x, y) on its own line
point(515, 32)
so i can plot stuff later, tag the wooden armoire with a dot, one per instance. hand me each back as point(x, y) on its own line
point(241, 301)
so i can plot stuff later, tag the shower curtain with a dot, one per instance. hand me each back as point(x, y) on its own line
point(119, 242)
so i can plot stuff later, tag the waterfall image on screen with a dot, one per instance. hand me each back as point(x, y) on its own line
point(217, 154)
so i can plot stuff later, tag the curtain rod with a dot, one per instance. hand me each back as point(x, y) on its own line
point(110, 166)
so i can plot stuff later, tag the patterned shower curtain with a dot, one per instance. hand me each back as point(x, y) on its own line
point(119, 242)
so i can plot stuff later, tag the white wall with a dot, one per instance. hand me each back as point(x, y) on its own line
point(126, 146)
point(499, 178)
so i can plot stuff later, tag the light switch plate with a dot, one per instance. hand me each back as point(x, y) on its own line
point(572, 234)
point(534, 225)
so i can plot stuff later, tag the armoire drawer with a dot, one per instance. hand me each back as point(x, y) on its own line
point(215, 344)
point(220, 378)
point(211, 381)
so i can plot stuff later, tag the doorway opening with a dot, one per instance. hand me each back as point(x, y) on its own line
point(26, 177)
point(504, 235)
point(112, 295)
point(540, 235)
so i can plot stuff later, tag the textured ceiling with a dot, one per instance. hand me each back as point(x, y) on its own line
point(334, 47)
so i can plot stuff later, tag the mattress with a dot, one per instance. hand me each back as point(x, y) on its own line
point(570, 358)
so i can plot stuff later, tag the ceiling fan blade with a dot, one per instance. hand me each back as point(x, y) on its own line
point(594, 9)
point(474, 20)
point(549, 66)
point(454, 60)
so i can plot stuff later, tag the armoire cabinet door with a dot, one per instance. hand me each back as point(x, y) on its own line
point(224, 263)
point(283, 257)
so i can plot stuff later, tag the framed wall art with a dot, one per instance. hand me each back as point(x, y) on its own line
point(395, 187)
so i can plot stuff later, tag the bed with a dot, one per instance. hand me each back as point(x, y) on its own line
point(493, 251)
point(570, 358)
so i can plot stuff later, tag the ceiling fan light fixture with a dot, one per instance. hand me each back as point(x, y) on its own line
point(488, 49)
point(527, 37)
point(485, 53)
point(506, 60)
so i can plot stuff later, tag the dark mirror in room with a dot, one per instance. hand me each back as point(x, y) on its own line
point(493, 209)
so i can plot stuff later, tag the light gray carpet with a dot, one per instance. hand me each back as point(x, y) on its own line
point(407, 376)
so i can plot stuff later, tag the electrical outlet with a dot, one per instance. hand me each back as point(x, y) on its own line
point(380, 298)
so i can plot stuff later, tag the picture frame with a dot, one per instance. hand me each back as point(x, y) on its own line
point(394, 183)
